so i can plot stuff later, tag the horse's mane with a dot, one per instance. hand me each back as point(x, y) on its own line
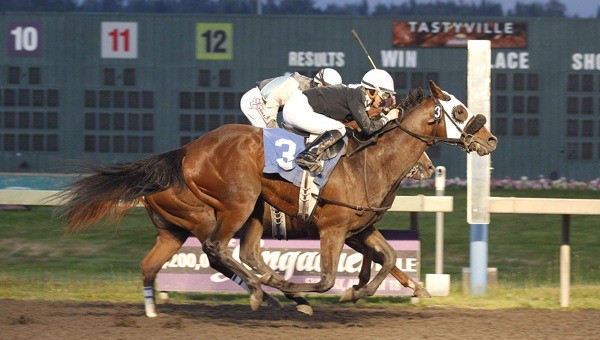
point(414, 98)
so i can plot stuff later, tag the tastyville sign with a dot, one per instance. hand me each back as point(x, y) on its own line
point(295, 260)
point(456, 33)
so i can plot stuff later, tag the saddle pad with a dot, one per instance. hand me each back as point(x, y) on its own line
point(281, 148)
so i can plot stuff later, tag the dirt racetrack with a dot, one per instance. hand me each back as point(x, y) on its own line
point(77, 320)
point(70, 320)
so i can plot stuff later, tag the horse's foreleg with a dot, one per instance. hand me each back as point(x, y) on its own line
point(167, 244)
point(373, 242)
point(419, 291)
point(332, 242)
point(369, 256)
point(358, 243)
point(250, 254)
point(405, 280)
point(365, 270)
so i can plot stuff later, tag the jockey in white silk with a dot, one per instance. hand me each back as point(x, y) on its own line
point(261, 103)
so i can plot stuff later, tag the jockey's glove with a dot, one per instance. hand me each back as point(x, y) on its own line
point(393, 114)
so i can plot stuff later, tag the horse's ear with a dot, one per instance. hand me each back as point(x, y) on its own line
point(437, 92)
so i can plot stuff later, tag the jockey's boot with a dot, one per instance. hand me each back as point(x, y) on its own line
point(309, 158)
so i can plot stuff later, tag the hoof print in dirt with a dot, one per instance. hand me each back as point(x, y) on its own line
point(22, 320)
point(123, 320)
point(177, 323)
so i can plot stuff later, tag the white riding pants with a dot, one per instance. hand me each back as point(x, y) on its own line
point(299, 114)
point(253, 107)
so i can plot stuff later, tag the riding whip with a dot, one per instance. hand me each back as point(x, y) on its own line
point(363, 47)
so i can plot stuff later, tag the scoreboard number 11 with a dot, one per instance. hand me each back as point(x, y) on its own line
point(119, 40)
point(214, 41)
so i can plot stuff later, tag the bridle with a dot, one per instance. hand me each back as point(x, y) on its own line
point(465, 140)
point(466, 135)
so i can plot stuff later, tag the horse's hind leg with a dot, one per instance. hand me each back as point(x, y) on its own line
point(251, 255)
point(169, 240)
point(229, 221)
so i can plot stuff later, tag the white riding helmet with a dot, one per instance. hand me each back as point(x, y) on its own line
point(379, 80)
point(328, 76)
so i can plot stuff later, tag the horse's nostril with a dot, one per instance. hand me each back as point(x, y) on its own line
point(493, 140)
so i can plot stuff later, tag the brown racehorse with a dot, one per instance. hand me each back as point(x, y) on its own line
point(174, 209)
point(223, 169)
point(176, 213)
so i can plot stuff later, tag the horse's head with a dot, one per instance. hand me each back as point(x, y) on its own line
point(458, 125)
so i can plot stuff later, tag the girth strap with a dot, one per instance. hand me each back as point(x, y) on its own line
point(323, 199)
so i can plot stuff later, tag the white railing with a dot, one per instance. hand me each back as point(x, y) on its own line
point(553, 206)
point(419, 203)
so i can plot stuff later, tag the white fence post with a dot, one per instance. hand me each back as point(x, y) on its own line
point(478, 167)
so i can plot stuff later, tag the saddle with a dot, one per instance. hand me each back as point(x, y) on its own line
point(308, 187)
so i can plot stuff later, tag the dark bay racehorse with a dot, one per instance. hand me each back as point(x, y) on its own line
point(176, 213)
point(223, 170)
point(177, 208)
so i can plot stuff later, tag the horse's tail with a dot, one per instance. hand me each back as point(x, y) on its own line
point(110, 190)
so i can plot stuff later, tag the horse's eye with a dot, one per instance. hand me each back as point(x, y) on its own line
point(459, 114)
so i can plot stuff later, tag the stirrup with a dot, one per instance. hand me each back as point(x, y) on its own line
point(309, 164)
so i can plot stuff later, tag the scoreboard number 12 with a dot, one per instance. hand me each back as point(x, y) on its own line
point(119, 40)
point(214, 41)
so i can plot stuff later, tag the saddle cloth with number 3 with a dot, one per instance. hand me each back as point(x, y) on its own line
point(281, 148)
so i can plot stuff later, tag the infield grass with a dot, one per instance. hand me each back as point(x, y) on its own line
point(39, 261)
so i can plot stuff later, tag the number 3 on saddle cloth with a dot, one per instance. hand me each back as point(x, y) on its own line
point(281, 148)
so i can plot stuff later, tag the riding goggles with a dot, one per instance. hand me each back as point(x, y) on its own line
point(383, 95)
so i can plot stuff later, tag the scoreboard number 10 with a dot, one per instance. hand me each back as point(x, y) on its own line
point(24, 39)
point(119, 40)
point(214, 41)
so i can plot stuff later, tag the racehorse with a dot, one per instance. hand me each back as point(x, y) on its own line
point(223, 170)
point(166, 214)
point(176, 212)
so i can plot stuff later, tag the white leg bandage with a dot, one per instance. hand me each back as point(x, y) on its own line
point(240, 282)
point(149, 301)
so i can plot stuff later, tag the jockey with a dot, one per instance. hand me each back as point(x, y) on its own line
point(261, 104)
point(321, 111)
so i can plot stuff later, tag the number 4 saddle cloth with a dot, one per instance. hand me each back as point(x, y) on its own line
point(281, 148)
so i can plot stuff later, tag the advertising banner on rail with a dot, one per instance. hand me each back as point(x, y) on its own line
point(295, 260)
point(438, 34)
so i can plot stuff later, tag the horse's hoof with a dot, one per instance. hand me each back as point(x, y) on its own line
point(151, 314)
point(348, 295)
point(422, 293)
point(306, 309)
point(255, 301)
point(265, 279)
point(273, 302)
